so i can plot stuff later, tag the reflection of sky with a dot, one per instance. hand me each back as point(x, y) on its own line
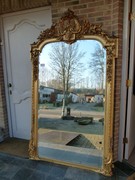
point(87, 46)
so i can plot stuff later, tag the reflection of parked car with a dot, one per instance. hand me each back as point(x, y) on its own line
point(92, 100)
point(97, 99)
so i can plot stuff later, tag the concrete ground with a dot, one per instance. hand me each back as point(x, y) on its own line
point(16, 168)
point(50, 118)
point(76, 109)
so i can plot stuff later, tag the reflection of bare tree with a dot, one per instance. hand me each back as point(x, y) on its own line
point(44, 74)
point(55, 83)
point(65, 62)
point(91, 82)
point(97, 65)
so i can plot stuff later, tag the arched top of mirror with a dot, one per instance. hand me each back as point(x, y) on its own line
point(70, 29)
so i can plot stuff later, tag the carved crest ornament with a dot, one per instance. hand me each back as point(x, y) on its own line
point(69, 29)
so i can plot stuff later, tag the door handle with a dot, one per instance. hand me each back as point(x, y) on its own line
point(10, 92)
point(9, 85)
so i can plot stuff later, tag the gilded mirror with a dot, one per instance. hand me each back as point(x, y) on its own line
point(73, 95)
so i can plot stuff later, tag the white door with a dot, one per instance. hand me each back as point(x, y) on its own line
point(20, 30)
point(130, 128)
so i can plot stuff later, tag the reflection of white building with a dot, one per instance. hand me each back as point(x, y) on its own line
point(45, 94)
point(59, 97)
point(49, 94)
point(75, 98)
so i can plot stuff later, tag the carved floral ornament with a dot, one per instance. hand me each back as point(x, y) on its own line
point(69, 29)
point(34, 56)
point(132, 16)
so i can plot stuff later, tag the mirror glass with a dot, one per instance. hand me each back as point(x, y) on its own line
point(71, 102)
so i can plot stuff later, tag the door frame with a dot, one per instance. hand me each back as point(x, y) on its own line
point(124, 77)
point(6, 66)
point(127, 73)
point(5, 77)
point(131, 99)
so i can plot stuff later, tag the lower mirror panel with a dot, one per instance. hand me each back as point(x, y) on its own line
point(68, 146)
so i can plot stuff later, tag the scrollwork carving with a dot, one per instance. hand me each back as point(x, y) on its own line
point(132, 16)
point(32, 149)
point(111, 50)
point(108, 165)
point(34, 56)
point(69, 29)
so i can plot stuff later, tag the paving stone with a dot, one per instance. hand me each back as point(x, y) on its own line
point(23, 174)
point(8, 170)
point(37, 176)
point(44, 167)
point(118, 172)
point(74, 173)
point(22, 162)
point(6, 158)
point(3, 178)
point(124, 167)
point(58, 171)
point(2, 165)
point(53, 178)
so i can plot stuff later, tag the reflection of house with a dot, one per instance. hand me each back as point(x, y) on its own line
point(88, 97)
point(21, 28)
point(94, 98)
point(48, 94)
point(45, 94)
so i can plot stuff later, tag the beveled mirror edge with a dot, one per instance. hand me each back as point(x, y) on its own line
point(81, 31)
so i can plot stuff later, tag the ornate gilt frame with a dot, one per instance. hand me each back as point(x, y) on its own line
point(70, 29)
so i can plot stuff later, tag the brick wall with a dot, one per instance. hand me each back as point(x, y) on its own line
point(117, 28)
point(97, 11)
point(7, 6)
point(107, 12)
